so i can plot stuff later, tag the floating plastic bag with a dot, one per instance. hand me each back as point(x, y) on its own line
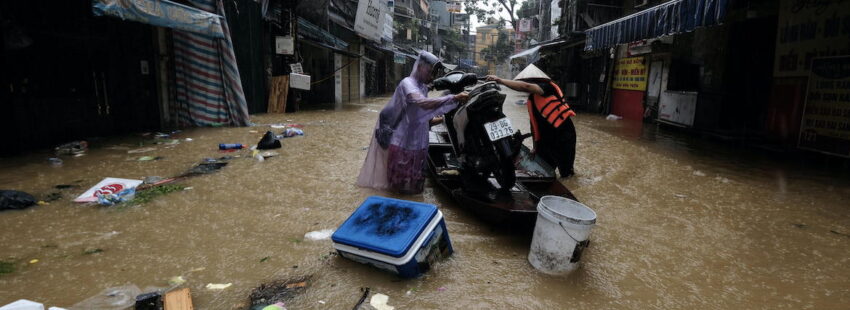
point(291, 132)
point(114, 298)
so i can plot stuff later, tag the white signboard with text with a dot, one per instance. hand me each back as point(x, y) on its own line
point(299, 81)
point(525, 25)
point(284, 45)
point(369, 22)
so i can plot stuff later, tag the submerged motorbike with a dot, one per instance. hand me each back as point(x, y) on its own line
point(483, 139)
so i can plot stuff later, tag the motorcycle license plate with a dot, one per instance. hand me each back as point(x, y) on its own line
point(499, 129)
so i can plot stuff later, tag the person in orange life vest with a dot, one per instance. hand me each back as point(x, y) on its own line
point(554, 132)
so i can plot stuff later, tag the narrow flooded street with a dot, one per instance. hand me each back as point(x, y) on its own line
point(679, 227)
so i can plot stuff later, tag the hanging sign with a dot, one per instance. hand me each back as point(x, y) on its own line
point(296, 68)
point(299, 81)
point(399, 58)
point(369, 21)
point(284, 45)
point(525, 25)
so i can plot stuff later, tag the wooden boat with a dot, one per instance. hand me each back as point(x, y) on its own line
point(516, 208)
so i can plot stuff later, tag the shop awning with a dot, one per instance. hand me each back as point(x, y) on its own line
point(317, 34)
point(528, 52)
point(162, 13)
point(669, 18)
point(331, 48)
point(533, 54)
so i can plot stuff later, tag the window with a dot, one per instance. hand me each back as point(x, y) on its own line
point(684, 76)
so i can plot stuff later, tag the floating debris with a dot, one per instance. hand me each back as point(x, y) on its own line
point(278, 291)
point(6, 267)
point(72, 148)
point(55, 161)
point(319, 234)
point(92, 251)
point(379, 301)
point(142, 150)
point(839, 233)
point(149, 194)
point(218, 286)
point(175, 281)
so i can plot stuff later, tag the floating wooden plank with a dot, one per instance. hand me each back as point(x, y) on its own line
point(278, 91)
point(178, 300)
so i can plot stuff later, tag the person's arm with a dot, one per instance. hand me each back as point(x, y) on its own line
point(517, 85)
point(414, 96)
point(445, 107)
point(434, 102)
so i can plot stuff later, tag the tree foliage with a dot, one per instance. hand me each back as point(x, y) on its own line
point(454, 45)
point(528, 9)
point(488, 8)
point(403, 24)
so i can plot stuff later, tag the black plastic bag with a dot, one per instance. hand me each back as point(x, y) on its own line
point(268, 142)
point(15, 200)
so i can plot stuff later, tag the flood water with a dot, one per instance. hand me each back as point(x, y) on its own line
point(680, 225)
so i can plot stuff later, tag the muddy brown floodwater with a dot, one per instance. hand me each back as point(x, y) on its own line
point(680, 227)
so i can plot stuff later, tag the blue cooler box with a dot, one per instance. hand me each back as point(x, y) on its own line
point(399, 236)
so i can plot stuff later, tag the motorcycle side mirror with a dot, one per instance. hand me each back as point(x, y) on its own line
point(468, 79)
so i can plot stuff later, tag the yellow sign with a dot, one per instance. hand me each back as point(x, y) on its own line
point(630, 74)
point(826, 118)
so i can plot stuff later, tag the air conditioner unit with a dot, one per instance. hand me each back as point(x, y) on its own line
point(641, 3)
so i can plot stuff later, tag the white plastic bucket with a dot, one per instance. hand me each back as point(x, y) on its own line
point(560, 234)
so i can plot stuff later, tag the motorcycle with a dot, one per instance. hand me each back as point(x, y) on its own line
point(483, 138)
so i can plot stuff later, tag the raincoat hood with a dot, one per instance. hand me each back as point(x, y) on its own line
point(425, 59)
point(532, 72)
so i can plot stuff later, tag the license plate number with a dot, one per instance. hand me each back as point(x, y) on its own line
point(499, 129)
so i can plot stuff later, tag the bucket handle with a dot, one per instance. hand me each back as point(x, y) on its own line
point(568, 233)
point(552, 218)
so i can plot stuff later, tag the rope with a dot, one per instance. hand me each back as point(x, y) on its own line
point(333, 73)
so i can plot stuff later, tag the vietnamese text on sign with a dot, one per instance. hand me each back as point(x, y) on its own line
point(630, 74)
point(826, 117)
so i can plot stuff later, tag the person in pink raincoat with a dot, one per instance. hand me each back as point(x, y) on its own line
point(399, 147)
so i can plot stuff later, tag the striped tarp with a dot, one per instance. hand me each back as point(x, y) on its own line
point(208, 86)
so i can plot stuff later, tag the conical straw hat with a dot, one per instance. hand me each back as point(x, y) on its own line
point(531, 72)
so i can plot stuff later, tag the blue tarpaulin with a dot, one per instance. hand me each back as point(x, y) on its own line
point(669, 18)
point(162, 13)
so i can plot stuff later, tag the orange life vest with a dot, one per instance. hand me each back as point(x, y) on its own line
point(553, 108)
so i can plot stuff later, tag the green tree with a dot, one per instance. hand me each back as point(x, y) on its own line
point(454, 45)
point(403, 24)
point(487, 8)
point(528, 9)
